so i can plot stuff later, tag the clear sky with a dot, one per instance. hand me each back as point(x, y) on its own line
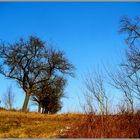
point(86, 31)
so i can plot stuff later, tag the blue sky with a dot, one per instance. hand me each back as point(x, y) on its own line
point(86, 31)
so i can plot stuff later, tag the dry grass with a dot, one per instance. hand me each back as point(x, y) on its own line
point(34, 125)
point(111, 126)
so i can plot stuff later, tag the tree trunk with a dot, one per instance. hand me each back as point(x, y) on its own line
point(39, 108)
point(24, 108)
point(43, 110)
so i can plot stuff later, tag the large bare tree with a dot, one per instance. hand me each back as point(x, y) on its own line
point(127, 76)
point(32, 62)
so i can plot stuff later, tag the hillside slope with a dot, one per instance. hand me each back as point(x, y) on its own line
point(34, 125)
point(14, 124)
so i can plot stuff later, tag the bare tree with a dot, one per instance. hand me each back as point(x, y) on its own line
point(32, 62)
point(121, 81)
point(132, 64)
point(96, 90)
point(9, 98)
point(127, 77)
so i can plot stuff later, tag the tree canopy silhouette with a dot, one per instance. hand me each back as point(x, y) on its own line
point(48, 95)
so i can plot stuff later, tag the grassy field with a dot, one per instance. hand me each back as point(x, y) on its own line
point(14, 124)
point(35, 125)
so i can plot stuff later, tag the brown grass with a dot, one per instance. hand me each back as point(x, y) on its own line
point(15, 124)
point(110, 126)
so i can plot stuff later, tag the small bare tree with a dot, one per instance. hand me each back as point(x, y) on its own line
point(95, 89)
point(121, 81)
point(9, 98)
